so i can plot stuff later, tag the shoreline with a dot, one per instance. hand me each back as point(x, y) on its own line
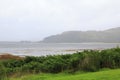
point(66, 51)
point(59, 52)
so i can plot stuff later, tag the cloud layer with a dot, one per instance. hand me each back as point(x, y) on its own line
point(36, 19)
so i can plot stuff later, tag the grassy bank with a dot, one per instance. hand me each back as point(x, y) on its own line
point(101, 75)
point(87, 61)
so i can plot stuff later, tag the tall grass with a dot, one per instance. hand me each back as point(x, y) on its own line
point(88, 60)
point(3, 75)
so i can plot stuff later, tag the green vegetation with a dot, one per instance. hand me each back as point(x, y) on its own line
point(3, 75)
point(102, 75)
point(87, 61)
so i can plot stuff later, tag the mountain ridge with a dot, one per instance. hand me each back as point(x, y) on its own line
point(107, 36)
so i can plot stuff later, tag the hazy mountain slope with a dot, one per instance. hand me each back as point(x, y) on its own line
point(110, 35)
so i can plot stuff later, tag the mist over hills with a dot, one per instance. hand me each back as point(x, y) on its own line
point(108, 36)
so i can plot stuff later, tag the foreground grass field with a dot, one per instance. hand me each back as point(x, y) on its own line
point(101, 75)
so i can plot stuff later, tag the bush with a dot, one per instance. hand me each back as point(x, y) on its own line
point(3, 75)
point(88, 60)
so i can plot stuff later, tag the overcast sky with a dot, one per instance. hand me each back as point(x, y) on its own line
point(35, 19)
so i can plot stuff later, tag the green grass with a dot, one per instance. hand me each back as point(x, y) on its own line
point(101, 75)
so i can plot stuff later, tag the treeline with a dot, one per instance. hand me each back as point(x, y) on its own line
point(88, 60)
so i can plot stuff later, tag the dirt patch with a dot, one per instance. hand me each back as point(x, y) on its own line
point(9, 56)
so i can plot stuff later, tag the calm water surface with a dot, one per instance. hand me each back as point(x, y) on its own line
point(38, 49)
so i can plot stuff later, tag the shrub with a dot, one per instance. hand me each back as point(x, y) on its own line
point(3, 75)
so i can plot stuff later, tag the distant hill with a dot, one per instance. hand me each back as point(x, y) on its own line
point(110, 36)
